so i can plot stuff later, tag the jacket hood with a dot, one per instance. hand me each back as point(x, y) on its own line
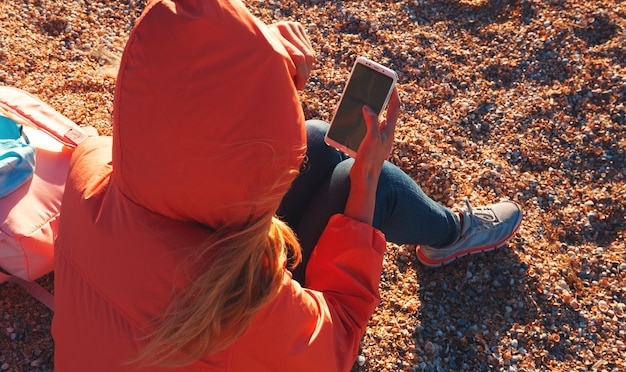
point(207, 122)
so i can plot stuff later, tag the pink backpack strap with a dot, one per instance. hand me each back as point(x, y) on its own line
point(33, 288)
point(28, 110)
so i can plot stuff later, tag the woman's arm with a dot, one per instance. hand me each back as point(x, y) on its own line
point(369, 161)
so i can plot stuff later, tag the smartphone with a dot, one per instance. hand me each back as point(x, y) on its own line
point(369, 84)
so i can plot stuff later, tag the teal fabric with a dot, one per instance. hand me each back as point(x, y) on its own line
point(17, 157)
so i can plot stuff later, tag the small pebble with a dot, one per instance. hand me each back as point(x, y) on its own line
point(360, 360)
point(603, 306)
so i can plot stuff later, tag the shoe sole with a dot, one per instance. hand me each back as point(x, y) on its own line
point(438, 263)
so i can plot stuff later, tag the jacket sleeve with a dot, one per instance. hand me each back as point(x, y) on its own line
point(319, 328)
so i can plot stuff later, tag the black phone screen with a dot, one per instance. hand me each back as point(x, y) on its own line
point(365, 87)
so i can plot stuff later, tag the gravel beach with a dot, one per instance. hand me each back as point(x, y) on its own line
point(503, 99)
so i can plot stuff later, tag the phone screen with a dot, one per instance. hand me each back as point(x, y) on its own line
point(366, 86)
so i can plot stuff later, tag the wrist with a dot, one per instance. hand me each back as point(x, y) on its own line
point(363, 175)
point(361, 200)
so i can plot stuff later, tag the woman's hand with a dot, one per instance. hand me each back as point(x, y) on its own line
point(376, 145)
point(368, 164)
point(299, 47)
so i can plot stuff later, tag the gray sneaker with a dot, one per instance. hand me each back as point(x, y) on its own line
point(483, 229)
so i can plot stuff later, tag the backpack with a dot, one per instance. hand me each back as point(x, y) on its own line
point(29, 215)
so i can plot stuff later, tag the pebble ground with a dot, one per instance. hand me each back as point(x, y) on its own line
point(517, 99)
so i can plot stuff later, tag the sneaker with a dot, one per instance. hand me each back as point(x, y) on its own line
point(483, 229)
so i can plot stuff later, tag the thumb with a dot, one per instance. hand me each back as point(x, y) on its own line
point(371, 119)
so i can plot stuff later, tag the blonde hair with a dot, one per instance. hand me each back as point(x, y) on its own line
point(238, 273)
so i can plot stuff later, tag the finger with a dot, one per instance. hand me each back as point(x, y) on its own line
point(303, 69)
point(306, 49)
point(302, 76)
point(371, 119)
point(303, 35)
point(309, 54)
point(393, 111)
point(298, 30)
point(295, 33)
point(298, 37)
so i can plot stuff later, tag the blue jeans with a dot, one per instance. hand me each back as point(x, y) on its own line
point(403, 212)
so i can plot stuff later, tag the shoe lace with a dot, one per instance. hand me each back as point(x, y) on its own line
point(477, 221)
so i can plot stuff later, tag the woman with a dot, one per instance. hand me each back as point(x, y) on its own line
point(169, 250)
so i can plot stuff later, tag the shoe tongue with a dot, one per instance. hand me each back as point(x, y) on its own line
point(466, 222)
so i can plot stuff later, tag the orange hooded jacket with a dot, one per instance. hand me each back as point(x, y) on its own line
point(207, 125)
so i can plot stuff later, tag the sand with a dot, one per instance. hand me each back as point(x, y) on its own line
point(520, 99)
